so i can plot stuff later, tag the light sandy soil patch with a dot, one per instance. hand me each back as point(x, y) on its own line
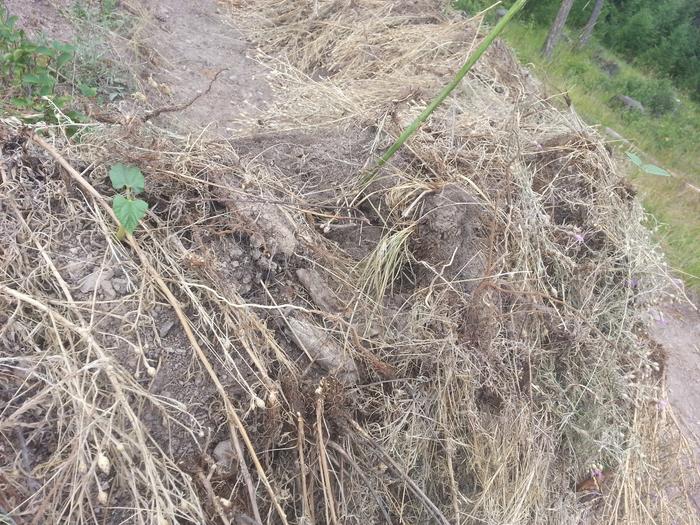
point(677, 328)
point(195, 50)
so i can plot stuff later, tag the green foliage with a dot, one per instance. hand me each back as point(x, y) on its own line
point(103, 13)
point(87, 91)
point(657, 95)
point(128, 209)
point(129, 177)
point(638, 32)
point(647, 168)
point(662, 37)
point(96, 73)
point(30, 71)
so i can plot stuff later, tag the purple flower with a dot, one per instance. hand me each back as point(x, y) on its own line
point(634, 282)
point(579, 238)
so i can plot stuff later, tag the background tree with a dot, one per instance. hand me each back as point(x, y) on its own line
point(660, 36)
point(557, 28)
point(592, 21)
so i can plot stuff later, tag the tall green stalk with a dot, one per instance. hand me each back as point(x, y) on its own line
point(473, 58)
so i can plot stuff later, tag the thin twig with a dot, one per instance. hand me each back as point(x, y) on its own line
point(212, 497)
point(454, 490)
point(323, 460)
point(347, 457)
point(395, 466)
point(306, 507)
point(179, 107)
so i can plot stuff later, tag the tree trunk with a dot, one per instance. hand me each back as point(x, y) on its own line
point(557, 28)
point(588, 30)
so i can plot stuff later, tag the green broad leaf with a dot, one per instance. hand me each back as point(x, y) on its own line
point(42, 79)
point(22, 102)
point(31, 79)
point(634, 158)
point(63, 47)
point(28, 48)
point(17, 55)
point(87, 91)
point(655, 170)
point(44, 50)
point(127, 176)
point(129, 212)
point(76, 116)
point(61, 101)
point(63, 58)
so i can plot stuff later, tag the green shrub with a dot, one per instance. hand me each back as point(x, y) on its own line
point(661, 97)
point(657, 95)
point(30, 71)
point(577, 69)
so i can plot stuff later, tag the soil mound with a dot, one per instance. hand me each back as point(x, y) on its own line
point(456, 342)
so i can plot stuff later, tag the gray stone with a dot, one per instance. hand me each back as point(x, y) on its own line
point(630, 103)
point(223, 453)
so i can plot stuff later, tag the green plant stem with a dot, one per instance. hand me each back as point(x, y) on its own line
point(473, 58)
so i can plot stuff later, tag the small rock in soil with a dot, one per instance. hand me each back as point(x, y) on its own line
point(323, 350)
point(99, 278)
point(165, 328)
point(318, 290)
point(223, 453)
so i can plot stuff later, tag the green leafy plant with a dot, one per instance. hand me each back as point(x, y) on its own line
point(647, 168)
point(30, 71)
point(657, 95)
point(128, 209)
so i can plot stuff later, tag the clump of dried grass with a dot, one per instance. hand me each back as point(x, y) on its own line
point(480, 401)
point(75, 411)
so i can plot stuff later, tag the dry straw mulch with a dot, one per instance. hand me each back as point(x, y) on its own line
point(459, 342)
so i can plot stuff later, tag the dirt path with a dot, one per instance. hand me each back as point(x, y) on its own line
point(185, 49)
point(677, 328)
point(195, 47)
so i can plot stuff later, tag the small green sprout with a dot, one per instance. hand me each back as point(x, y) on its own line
point(128, 209)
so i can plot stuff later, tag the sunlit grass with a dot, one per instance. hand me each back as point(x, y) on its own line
point(670, 140)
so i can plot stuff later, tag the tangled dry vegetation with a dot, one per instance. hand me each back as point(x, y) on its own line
point(456, 341)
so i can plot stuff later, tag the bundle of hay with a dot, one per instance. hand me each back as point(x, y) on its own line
point(457, 342)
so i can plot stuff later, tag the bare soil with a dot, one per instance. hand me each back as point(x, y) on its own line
point(194, 48)
point(677, 328)
point(43, 17)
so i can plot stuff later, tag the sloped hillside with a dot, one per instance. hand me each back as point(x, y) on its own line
point(286, 339)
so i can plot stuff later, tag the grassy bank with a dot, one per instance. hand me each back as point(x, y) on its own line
point(670, 139)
